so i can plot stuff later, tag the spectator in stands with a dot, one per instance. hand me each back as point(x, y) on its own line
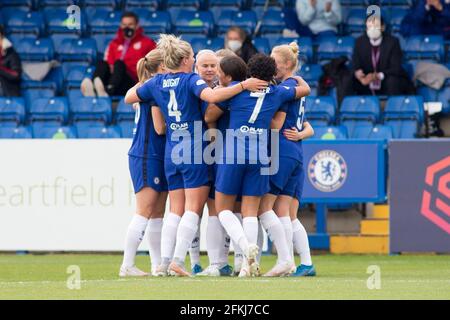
point(377, 62)
point(118, 69)
point(238, 41)
point(427, 17)
point(320, 16)
point(10, 68)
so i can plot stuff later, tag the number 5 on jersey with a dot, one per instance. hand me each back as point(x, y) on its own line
point(173, 106)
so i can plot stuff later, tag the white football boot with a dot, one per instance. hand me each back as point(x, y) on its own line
point(131, 272)
point(281, 269)
point(211, 271)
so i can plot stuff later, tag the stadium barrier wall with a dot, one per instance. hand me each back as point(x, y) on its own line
point(419, 195)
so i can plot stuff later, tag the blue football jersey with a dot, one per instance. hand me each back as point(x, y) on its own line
point(251, 114)
point(295, 117)
point(146, 142)
point(177, 95)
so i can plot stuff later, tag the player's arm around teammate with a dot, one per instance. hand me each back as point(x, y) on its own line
point(147, 173)
point(177, 93)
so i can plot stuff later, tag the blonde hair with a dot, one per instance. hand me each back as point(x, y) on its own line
point(222, 53)
point(174, 50)
point(289, 53)
point(204, 51)
point(148, 66)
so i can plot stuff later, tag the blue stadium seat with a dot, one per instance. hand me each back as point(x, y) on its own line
point(32, 94)
point(78, 50)
point(12, 111)
point(217, 11)
point(311, 73)
point(334, 47)
point(45, 131)
point(262, 45)
point(31, 49)
point(50, 109)
point(226, 3)
point(396, 18)
point(98, 133)
point(359, 110)
point(102, 41)
point(378, 132)
point(272, 3)
point(105, 21)
point(124, 111)
point(155, 22)
point(135, 5)
point(273, 22)
point(53, 80)
point(329, 133)
point(243, 19)
point(355, 21)
point(56, 3)
point(22, 22)
point(91, 109)
point(28, 4)
point(57, 22)
point(305, 45)
point(404, 114)
point(201, 43)
point(425, 47)
point(15, 133)
point(397, 4)
point(110, 4)
point(194, 4)
point(74, 74)
point(404, 107)
point(126, 128)
point(354, 3)
point(444, 97)
point(320, 111)
point(197, 22)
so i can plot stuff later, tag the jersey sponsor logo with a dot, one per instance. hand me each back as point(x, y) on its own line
point(168, 83)
point(179, 126)
point(200, 82)
point(327, 171)
point(251, 130)
point(137, 45)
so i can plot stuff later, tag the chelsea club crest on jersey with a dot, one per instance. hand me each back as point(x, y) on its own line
point(327, 171)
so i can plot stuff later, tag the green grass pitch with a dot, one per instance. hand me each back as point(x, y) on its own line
point(339, 277)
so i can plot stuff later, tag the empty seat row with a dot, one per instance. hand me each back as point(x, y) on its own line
point(403, 114)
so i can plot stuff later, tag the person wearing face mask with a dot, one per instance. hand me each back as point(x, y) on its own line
point(116, 73)
point(377, 62)
point(240, 43)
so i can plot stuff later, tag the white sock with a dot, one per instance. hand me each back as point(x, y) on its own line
point(169, 237)
point(238, 255)
point(234, 229)
point(185, 234)
point(224, 248)
point(301, 243)
point(194, 249)
point(260, 241)
point(135, 234)
point(154, 241)
point(250, 225)
point(287, 225)
point(276, 233)
point(214, 240)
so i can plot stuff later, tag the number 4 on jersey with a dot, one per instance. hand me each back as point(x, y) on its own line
point(173, 107)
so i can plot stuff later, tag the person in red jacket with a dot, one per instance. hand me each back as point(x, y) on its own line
point(116, 73)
